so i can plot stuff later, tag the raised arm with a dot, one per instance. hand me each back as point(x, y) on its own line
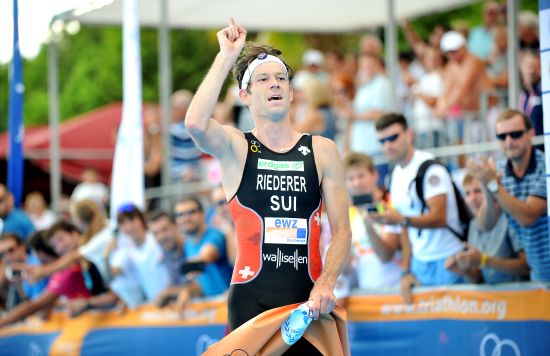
point(336, 202)
point(209, 135)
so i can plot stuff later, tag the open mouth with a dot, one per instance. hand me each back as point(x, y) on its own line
point(275, 97)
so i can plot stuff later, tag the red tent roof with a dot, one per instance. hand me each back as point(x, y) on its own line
point(87, 140)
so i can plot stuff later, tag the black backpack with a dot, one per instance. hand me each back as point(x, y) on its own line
point(464, 213)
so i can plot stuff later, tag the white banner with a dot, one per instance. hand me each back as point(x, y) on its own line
point(127, 185)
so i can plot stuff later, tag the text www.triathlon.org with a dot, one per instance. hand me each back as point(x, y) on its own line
point(449, 304)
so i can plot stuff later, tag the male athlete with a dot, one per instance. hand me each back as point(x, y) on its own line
point(276, 181)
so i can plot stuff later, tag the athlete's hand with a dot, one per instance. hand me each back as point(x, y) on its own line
point(321, 299)
point(231, 39)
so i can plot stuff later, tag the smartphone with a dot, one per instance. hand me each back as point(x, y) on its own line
point(364, 201)
point(192, 267)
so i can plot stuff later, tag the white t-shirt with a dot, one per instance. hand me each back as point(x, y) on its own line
point(152, 274)
point(430, 84)
point(371, 271)
point(432, 243)
point(93, 250)
point(97, 192)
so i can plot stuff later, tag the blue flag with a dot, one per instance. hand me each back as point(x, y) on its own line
point(15, 125)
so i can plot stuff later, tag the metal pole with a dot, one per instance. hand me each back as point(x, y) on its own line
point(390, 39)
point(513, 49)
point(165, 82)
point(53, 95)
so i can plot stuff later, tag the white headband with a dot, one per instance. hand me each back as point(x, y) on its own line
point(262, 58)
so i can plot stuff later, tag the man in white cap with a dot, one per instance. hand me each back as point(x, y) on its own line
point(464, 80)
point(276, 180)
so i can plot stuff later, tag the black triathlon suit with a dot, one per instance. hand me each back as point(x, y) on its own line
point(277, 213)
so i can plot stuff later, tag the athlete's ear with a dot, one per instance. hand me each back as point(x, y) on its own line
point(245, 96)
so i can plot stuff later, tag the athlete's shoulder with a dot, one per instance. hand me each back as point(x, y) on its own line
point(324, 146)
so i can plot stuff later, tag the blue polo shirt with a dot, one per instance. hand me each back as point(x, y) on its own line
point(533, 238)
point(217, 275)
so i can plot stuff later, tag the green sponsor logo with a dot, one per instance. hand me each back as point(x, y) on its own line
point(269, 165)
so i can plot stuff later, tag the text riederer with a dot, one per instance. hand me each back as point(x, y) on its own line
point(280, 258)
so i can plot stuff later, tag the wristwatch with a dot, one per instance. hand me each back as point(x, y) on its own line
point(404, 222)
point(492, 186)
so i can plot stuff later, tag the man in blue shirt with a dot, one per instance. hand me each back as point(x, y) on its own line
point(15, 220)
point(202, 244)
point(14, 257)
point(520, 193)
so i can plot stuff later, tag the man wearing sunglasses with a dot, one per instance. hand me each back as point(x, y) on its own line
point(204, 246)
point(428, 240)
point(520, 193)
point(277, 181)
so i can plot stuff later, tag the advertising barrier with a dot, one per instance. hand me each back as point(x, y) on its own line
point(512, 319)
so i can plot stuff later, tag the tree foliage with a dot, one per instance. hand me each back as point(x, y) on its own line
point(90, 62)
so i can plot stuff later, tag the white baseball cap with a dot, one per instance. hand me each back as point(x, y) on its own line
point(451, 41)
point(313, 57)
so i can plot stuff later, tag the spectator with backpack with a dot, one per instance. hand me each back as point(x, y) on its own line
point(426, 208)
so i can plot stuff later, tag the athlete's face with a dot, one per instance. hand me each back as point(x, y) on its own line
point(269, 93)
point(189, 218)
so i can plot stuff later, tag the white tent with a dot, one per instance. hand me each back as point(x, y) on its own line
point(281, 15)
point(313, 16)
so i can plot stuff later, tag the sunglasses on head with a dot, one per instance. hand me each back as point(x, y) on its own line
point(390, 138)
point(179, 214)
point(126, 208)
point(513, 134)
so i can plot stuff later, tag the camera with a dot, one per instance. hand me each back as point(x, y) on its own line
point(364, 201)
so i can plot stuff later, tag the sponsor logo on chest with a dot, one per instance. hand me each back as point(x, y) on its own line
point(287, 231)
point(281, 166)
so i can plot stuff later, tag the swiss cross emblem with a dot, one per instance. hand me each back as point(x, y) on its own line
point(246, 272)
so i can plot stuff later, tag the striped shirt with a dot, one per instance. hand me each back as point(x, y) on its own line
point(535, 237)
point(185, 154)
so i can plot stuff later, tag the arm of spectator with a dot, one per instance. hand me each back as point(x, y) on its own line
point(431, 101)
point(489, 212)
point(436, 215)
point(209, 135)
point(408, 280)
point(335, 195)
point(384, 244)
point(515, 266)
point(35, 273)
point(472, 274)
point(76, 307)
point(369, 115)
point(208, 253)
point(168, 294)
point(191, 290)
point(471, 259)
point(524, 212)
point(413, 39)
point(313, 122)
point(29, 307)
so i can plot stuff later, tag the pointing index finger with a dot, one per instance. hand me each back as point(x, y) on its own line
point(231, 21)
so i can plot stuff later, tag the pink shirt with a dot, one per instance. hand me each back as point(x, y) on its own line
point(69, 283)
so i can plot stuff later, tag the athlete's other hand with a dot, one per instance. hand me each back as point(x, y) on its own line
point(231, 39)
point(321, 299)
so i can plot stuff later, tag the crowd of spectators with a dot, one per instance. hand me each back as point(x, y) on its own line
point(75, 260)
